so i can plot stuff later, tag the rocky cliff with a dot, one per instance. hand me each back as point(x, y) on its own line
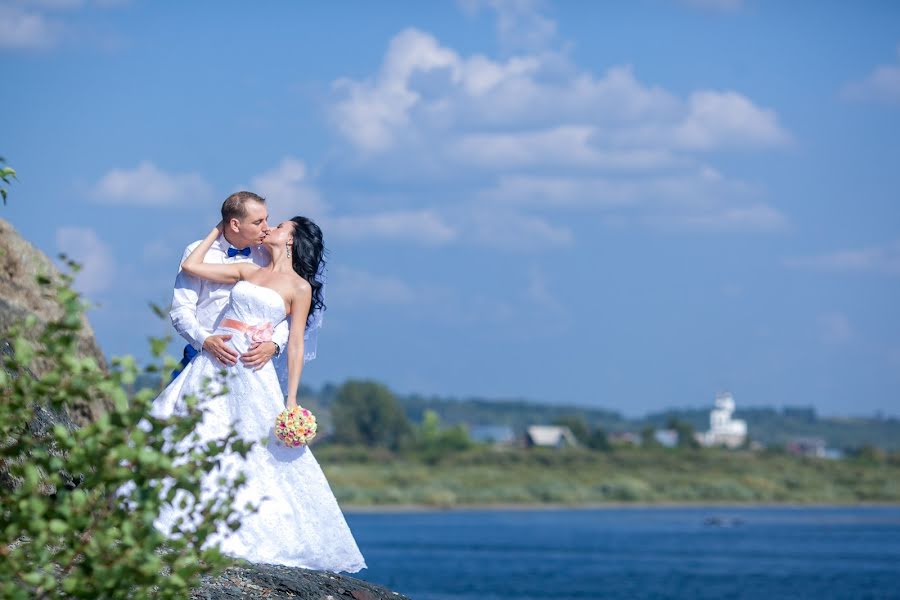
point(21, 295)
point(277, 582)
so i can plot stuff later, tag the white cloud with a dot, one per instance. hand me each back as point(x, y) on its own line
point(352, 287)
point(535, 131)
point(877, 259)
point(148, 185)
point(98, 265)
point(511, 230)
point(727, 119)
point(835, 328)
point(520, 24)
point(289, 192)
point(25, 29)
point(422, 226)
point(754, 217)
point(28, 25)
point(882, 85)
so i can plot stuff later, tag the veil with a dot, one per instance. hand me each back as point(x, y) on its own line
point(314, 323)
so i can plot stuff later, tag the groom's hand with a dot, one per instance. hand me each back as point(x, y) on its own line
point(258, 355)
point(215, 345)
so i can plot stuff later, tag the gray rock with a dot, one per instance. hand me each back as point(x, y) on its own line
point(275, 581)
point(21, 295)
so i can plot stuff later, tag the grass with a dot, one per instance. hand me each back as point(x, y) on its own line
point(487, 476)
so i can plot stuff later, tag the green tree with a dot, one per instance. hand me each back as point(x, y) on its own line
point(432, 441)
point(5, 174)
point(367, 413)
point(599, 441)
point(685, 431)
point(68, 525)
point(648, 437)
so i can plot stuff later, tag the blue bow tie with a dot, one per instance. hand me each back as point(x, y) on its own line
point(232, 252)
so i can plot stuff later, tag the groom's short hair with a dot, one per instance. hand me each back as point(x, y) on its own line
point(235, 205)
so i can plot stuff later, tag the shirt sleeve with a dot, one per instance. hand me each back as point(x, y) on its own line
point(184, 306)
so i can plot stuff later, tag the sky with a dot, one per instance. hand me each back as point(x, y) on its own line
point(628, 205)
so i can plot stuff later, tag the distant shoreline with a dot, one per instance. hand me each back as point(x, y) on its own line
point(421, 508)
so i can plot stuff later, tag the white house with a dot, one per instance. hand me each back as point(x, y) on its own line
point(723, 430)
point(550, 436)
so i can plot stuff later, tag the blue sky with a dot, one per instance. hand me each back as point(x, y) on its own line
point(629, 205)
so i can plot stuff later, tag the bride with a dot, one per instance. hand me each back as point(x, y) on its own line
point(299, 522)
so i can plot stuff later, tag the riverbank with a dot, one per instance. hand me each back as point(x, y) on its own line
point(424, 508)
point(485, 478)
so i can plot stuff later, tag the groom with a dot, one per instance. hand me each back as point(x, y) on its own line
point(197, 303)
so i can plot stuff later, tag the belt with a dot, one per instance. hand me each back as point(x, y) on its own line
point(255, 333)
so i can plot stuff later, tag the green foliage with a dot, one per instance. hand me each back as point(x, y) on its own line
point(685, 431)
point(597, 440)
point(577, 476)
point(77, 516)
point(367, 413)
point(648, 437)
point(5, 174)
point(432, 442)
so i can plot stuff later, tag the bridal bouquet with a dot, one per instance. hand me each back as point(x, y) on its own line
point(295, 426)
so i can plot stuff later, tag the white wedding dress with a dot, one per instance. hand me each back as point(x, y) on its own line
point(299, 522)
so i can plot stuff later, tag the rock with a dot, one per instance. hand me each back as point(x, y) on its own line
point(21, 295)
point(275, 581)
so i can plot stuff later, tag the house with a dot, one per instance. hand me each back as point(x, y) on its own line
point(724, 430)
point(667, 438)
point(492, 434)
point(807, 446)
point(550, 436)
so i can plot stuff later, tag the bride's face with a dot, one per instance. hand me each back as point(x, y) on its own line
point(281, 235)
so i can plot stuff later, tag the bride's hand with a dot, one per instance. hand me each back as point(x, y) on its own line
point(291, 403)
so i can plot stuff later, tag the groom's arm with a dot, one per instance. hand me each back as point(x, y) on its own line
point(184, 306)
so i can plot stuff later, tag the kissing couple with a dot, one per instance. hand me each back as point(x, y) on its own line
point(249, 297)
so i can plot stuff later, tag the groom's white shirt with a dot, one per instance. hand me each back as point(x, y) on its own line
point(197, 303)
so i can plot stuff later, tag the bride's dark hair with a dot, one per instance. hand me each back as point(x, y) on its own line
point(308, 258)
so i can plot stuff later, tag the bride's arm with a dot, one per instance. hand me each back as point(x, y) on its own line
point(299, 312)
point(194, 265)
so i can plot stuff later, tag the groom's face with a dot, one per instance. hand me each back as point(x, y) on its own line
point(254, 227)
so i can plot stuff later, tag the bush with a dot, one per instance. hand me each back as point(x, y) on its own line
point(68, 526)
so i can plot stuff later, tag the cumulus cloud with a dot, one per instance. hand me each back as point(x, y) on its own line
point(520, 24)
point(511, 230)
point(148, 185)
point(424, 88)
point(289, 191)
point(881, 85)
point(727, 119)
point(98, 265)
point(38, 24)
point(423, 226)
point(883, 258)
point(352, 287)
point(755, 217)
point(534, 132)
point(21, 28)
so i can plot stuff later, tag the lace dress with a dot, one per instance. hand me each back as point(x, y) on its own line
point(299, 522)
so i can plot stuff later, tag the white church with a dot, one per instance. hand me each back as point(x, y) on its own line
point(723, 430)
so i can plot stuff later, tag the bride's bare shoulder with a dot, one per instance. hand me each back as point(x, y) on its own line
point(299, 285)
